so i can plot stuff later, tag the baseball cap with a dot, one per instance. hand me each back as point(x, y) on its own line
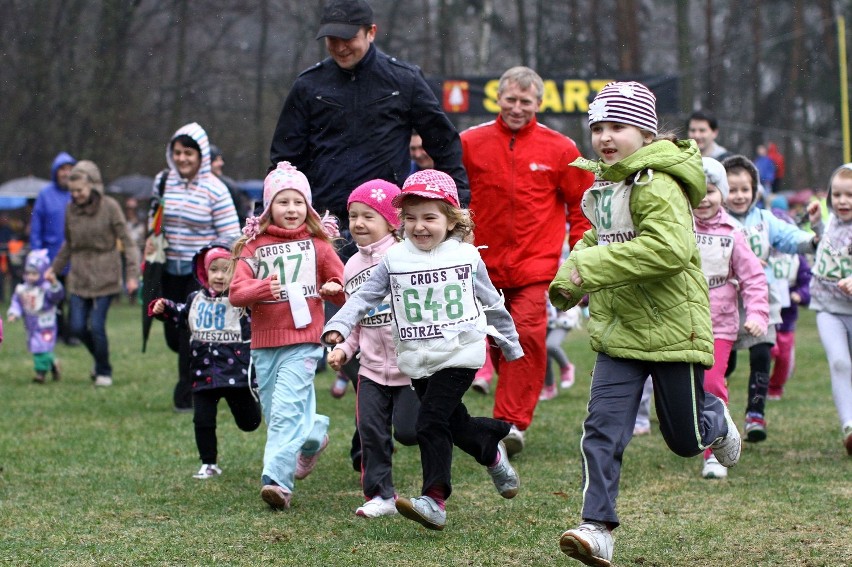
point(431, 184)
point(343, 18)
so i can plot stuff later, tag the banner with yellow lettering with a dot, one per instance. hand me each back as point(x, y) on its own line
point(565, 96)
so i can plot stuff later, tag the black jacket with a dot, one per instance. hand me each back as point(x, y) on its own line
point(342, 128)
point(220, 333)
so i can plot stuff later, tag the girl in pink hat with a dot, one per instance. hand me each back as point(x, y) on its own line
point(443, 306)
point(286, 268)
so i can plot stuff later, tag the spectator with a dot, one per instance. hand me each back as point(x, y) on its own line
point(703, 128)
point(778, 160)
point(765, 170)
point(189, 181)
point(420, 160)
point(47, 229)
point(523, 191)
point(348, 119)
point(241, 201)
point(95, 224)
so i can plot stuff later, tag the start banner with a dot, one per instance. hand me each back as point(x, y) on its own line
point(562, 95)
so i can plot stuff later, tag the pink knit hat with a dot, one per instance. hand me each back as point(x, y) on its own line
point(283, 177)
point(377, 194)
point(431, 184)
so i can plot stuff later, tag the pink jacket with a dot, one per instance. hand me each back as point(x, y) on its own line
point(374, 334)
point(729, 265)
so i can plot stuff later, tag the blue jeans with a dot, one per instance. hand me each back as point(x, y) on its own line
point(285, 377)
point(88, 323)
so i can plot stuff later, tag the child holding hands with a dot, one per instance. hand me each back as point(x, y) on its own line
point(35, 300)
point(384, 398)
point(831, 293)
point(648, 304)
point(286, 267)
point(219, 342)
point(443, 306)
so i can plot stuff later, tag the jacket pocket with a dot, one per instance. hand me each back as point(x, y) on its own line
point(384, 98)
point(648, 304)
point(329, 102)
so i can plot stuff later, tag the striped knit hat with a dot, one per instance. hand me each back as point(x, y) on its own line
point(626, 103)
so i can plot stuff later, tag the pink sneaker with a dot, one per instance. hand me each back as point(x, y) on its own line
point(304, 465)
point(338, 389)
point(548, 392)
point(567, 376)
point(276, 496)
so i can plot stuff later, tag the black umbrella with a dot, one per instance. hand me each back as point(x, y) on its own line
point(138, 186)
point(152, 287)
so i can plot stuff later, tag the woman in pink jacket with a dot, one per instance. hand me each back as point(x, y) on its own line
point(384, 394)
point(730, 268)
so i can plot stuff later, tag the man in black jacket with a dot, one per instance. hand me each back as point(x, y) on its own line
point(349, 118)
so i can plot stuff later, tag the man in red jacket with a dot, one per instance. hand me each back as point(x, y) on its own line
point(523, 191)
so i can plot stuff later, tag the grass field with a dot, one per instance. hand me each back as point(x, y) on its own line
point(104, 477)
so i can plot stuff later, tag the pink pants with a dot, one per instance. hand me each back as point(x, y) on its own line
point(784, 354)
point(714, 379)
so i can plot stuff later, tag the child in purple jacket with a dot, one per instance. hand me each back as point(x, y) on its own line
point(35, 301)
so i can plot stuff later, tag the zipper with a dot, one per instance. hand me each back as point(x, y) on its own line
point(654, 312)
point(329, 101)
point(384, 98)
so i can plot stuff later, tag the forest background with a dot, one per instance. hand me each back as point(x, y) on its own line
point(111, 80)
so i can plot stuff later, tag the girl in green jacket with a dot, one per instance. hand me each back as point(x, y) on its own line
point(648, 304)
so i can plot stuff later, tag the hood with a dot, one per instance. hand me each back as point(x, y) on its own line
point(720, 219)
point(62, 158)
point(197, 133)
point(681, 160)
point(38, 260)
point(198, 260)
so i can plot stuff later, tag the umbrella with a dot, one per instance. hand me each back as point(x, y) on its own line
point(10, 203)
point(27, 187)
point(138, 186)
point(252, 187)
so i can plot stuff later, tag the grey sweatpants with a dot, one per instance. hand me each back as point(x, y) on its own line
point(835, 331)
point(690, 420)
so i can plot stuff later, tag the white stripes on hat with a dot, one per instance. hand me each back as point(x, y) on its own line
point(626, 103)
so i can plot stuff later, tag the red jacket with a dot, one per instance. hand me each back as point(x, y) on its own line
point(520, 185)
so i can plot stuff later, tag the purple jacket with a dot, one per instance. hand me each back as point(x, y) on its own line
point(727, 261)
point(36, 305)
point(800, 283)
point(374, 334)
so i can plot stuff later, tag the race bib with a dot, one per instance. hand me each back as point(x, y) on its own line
point(47, 320)
point(716, 251)
point(832, 264)
point(607, 206)
point(380, 315)
point(426, 301)
point(295, 263)
point(213, 320)
point(757, 237)
point(784, 266)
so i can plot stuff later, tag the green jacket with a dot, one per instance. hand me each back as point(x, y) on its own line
point(647, 295)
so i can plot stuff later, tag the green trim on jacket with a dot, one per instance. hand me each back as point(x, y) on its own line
point(648, 296)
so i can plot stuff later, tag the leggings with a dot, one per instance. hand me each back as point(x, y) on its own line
point(835, 331)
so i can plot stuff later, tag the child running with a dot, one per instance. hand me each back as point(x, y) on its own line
point(648, 305)
point(731, 270)
point(764, 233)
point(444, 305)
point(34, 300)
point(386, 406)
point(793, 274)
point(286, 267)
point(219, 343)
point(831, 293)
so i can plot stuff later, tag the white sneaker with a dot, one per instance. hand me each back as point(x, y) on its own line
point(727, 449)
point(589, 543)
point(103, 381)
point(514, 441)
point(712, 468)
point(505, 478)
point(424, 511)
point(207, 471)
point(376, 507)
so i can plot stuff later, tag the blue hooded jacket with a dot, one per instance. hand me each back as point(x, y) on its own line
point(48, 221)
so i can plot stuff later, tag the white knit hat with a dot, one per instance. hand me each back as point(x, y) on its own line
point(626, 103)
point(715, 173)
